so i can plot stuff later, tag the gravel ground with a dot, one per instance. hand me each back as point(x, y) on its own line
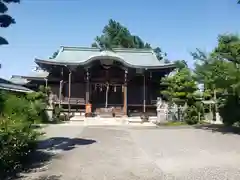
point(122, 153)
point(192, 153)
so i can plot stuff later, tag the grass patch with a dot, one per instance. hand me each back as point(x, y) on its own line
point(181, 123)
point(173, 123)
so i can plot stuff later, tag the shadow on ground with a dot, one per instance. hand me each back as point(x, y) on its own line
point(52, 177)
point(219, 128)
point(63, 143)
point(35, 161)
point(38, 160)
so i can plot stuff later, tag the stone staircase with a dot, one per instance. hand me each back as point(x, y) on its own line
point(104, 112)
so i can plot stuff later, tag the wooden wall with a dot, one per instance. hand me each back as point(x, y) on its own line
point(78, 90)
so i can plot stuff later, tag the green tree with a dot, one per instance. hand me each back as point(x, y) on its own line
point(180, 64)
point(180, 87)
point(219, 69)
point(54, 55)
point(219, 72)
point(180, 90)
point(5, 19)
point(115, 35)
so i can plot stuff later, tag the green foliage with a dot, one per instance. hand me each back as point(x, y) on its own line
point(191, 115)
point(173, 123)
point(16, 107)
point(116, 35)
point(5, 19)
point(17, 140)
point(229, 110)
point(54, 55)
point(56, 113)
point(30, 107)
point(219, 71)
point(17, 137)
point(180, 64)
point(180, 87)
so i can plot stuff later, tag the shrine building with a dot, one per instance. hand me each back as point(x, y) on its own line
point(127, 81)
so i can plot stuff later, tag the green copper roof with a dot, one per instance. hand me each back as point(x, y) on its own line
point(18, 79)
point(137, 58)
point(13, 87)
point(7, 85)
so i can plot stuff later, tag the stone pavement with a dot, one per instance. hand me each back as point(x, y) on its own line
point(131, 152)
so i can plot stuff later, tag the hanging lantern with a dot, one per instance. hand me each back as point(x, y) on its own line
point(115, 89)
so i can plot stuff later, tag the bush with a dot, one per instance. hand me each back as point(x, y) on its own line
point(17, 137)
point(191, 115)
point(17, 140)
point(57, 116)
point(229, 110)
point(57, 111)
point(30, 107)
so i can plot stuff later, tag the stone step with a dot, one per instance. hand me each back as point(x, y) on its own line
point(107, 115)
point(77, 118)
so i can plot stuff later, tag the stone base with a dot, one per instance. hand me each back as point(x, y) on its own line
point(98, 121)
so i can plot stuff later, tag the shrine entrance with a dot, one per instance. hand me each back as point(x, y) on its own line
point(106, 88)
point(106, 95)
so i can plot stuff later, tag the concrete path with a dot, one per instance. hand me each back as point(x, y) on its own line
point(122, 153)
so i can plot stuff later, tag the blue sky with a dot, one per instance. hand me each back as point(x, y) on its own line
point(178, 27)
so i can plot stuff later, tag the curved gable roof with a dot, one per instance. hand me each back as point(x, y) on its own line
point(139, 58)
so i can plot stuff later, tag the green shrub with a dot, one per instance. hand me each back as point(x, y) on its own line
point(30, 107)
point(17, 140)
point(229, 110)
point(17, 137)
point(15, 107)
point(191, 115)
point(57, 111)
point(57, 116)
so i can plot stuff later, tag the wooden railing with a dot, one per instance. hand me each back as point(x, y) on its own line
point(66, 100)
point(81, 101)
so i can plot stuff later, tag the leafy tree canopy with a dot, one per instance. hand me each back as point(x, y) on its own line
point(115, 35)
point(54, 55)
point(180, 64)
point(5, 19)
point(219, 71)
point(180, 87)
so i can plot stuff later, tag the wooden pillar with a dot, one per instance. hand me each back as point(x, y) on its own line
point(69, 90)
point(87, 87)
point(144, 92)
point(46, 82)
point(107, 90)
point(125, 94)
point(150, 87)
point(60, 93)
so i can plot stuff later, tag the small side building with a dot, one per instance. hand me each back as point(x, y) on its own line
point(126, 81)
point(9, 86)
